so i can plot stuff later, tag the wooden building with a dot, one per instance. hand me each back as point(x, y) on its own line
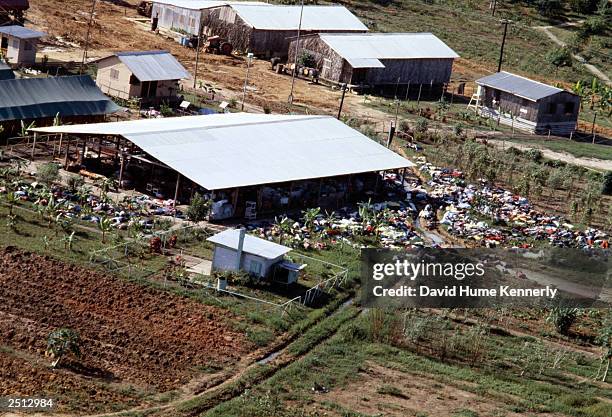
point(526, 104)
point(378, 58)
point(150, 76)
point(265, 30)
point(185, 16)
point(19, 44)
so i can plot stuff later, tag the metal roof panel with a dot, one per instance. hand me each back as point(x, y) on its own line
point(279, 17)
point(354, 46)
point(517, 85)
point(21, 32)
point(153, 65)
point(252, 244)
point(267, 148)
point(34, 98)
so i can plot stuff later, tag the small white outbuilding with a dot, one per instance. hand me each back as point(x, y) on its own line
point(19, 44)
point(236, 251)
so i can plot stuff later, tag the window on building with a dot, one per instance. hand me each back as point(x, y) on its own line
point(4, 43)
point(16, 43)
point(114, 74)
point(552, 108)
point(27, 46)
point(569, 107)
point(496, 95)
point(255, 268)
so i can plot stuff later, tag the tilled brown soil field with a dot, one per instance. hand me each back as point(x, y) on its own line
point(132, 335)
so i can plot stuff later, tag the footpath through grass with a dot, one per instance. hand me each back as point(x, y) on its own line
point(577, 149)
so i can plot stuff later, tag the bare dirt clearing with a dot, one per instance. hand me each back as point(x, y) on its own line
point(131, 335)
point(394, 393)
point(115, 30)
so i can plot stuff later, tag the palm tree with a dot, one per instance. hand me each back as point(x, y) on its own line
point(62, 342)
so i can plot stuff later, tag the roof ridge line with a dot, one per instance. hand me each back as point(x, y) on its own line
point(217, 126)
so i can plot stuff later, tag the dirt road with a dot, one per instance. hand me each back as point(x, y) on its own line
point(591, 68)
point(598, 164)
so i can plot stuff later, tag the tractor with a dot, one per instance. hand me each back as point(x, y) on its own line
point(218, 45)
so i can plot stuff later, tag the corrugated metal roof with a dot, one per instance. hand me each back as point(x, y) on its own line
point(235, 150)
point(34, 98)
point(365, 63)
point(6, 73)
point(252, 244)
point(358, 48)
point(21, 32)
point(202, 4)
point(153, 65)
point(519, 86)
point(277, 17)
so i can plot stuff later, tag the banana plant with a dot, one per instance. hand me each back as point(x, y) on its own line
point(69, 241)
point(25, 128)
point(105, 225)
point(309, 217)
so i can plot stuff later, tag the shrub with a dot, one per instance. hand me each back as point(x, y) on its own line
point(594, 25)
point(62, 342)
point(48, 173)
point(583, 6)
point(421, 126)
point(307, 59)
point(562, 318)
point(549, 8)
point(198, 208)
point(534, 155)
point(560, 57)
point(75, 182)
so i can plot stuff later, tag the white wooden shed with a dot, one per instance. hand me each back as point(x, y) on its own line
point(19, 44)
point(235, 250)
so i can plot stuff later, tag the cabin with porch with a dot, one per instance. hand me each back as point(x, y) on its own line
point(526, 104)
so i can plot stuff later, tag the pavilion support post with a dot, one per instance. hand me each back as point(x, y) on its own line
point(83, 146)
point(121, 171)
point(176, 191)
point(59, 148)
point(34, 144)
point(67, 153)
point(235, 199)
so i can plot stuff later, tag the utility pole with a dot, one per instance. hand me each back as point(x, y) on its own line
point(91, 16)
point(493, 7)
point(246, 79)
point(197, 63)
point(342, 100)
point(504, 22)
point(297, 50)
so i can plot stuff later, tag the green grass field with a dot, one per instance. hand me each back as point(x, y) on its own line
point(376, 362)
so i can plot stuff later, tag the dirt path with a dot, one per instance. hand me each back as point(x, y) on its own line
point(591, 68)
point(592, 163)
